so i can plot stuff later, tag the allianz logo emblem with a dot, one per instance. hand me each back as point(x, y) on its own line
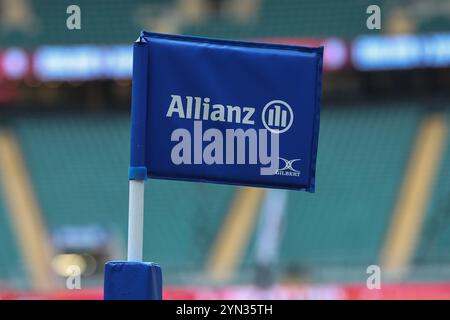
point(277, 116)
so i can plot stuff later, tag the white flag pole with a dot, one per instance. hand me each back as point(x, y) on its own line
point(136, 220)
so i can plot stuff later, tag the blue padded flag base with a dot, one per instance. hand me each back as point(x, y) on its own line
point(126, 280)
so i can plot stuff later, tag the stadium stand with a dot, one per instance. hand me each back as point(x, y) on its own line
point(181, 218)
point(358, 189)
point(103, 22)
point(39, 22)
point(345, 229)
point(300, 19)
point(43, 22)
point(435, 241)
point(78, 162)
point(11, 271)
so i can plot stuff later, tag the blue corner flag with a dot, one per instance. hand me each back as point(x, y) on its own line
point(222, 111)
point(219, 111)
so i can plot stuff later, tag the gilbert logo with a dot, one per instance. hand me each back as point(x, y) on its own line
point(287, 169)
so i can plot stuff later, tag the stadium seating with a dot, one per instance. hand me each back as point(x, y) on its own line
point(434, 245)
point(44, 22)
point(361, 161)
point(327, 232)
point(11, 266)
point(319, 18)
point(79, 168)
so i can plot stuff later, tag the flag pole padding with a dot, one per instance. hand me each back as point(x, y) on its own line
point(128, 280)
point(134, 279)
point(136, 220)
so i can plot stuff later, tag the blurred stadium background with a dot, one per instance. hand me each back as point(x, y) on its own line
point(383, 182)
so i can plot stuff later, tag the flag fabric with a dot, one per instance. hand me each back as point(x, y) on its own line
point(222, 111)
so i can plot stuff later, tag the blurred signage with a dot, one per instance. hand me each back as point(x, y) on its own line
point(93, 62)
point(76, 63)
point(14, 63)
point(85, 237)
point(401, 52)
